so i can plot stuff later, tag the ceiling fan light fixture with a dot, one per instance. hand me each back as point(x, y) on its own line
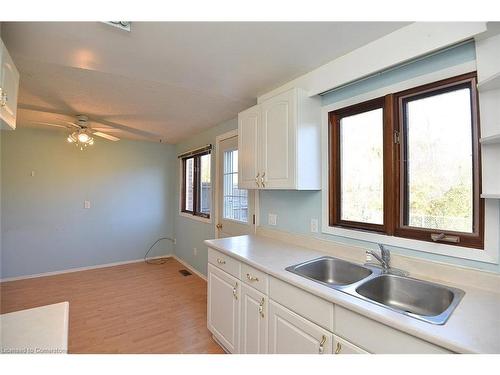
point(81, 138)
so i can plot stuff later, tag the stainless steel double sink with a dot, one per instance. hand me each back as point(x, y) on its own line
point(430, 302)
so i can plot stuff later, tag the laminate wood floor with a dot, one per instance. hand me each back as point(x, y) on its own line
point(131, 308)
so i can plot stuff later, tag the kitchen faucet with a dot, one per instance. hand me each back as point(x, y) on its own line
point(385, 261)
point(384, 258)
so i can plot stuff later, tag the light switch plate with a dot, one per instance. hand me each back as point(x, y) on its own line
point(86, 204)
point(272, 219)
point(314, 225)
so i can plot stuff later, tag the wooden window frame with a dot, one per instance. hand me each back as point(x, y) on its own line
point(196, 180)
point(394, 164)
point(335, 166)
point(476, 238)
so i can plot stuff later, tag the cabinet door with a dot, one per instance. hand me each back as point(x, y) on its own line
point(278, 141)
point(341, 346)
point(248, 148)
point(224, 307)
point(10, 84)
point(254, 318)
point(289, 333)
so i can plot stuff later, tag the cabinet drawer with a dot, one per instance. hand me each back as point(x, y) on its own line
point(255, 278)
point(379, 338)
point(224, 262)
point(303, 303)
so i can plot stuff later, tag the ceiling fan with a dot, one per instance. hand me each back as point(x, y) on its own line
point(83, 135)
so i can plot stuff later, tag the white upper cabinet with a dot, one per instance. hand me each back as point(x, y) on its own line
point(279, 143)
point(248, 147)
point(9, 86)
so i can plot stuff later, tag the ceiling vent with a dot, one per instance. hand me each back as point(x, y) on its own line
point(123, 25)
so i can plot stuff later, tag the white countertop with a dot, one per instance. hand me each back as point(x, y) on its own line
point(35, 331)
point(473, 327)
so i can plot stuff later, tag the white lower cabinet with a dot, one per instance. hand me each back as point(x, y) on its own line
point(341, 346)
point(289, 333)
point(253, 321)
point(251, 312)
point(224, 308)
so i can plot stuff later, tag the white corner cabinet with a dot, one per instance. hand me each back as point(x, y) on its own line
point(279, 143)
point(9, 87)
point(251, 312)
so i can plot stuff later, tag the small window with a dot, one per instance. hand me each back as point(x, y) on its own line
point(196, 192)
point(357, 166)
point(407, 164)
point(235, 205)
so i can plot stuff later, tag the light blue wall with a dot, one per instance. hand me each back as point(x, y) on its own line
point(189, 233)
point(44, 226)
point(451, 57)
point(296, 208)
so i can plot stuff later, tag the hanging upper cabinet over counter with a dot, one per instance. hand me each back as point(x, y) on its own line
point(9, 86)
point(279, 143)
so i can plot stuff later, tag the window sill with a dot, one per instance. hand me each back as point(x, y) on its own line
point(486, 255)
point(196, 218)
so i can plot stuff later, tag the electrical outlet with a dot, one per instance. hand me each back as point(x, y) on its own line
point(86, 204)
point(175, 241)
point(195, 251)
point(314, 225)
point(272, 219)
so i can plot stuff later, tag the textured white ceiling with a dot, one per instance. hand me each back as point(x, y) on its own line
point(167, 80)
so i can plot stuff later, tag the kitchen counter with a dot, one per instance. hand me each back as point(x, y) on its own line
point(473, 327)
point(35, 331)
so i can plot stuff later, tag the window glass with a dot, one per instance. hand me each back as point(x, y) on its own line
point(205, 187)
point(235, 203)
point(361, 167)
point(439, 164)
point(189, 183)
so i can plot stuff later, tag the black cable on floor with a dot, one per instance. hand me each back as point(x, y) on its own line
point(156, 261)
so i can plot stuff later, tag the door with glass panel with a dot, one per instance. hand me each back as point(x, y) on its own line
point(236, 206)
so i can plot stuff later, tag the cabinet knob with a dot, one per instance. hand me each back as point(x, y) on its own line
point(252, 278)
point(221, 261)
point(261, 307)
point(322, 345)
point(235, 291)
point(338, 348)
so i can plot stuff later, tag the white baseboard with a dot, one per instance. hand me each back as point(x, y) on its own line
point(77, 269)
point(189, 267)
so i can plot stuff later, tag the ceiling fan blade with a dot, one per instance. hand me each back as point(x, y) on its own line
point(48, 124)
point(106, 136)
point(72, 124)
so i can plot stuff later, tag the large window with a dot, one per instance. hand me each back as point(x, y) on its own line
point(196, 191)
point(408, 164)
